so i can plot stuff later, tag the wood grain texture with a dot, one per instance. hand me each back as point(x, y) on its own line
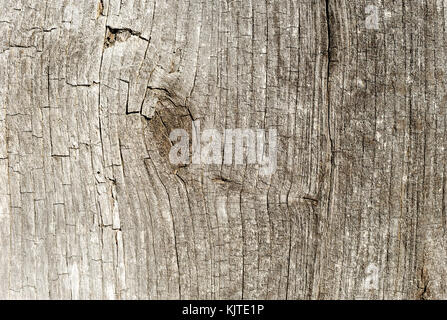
point(91, 207)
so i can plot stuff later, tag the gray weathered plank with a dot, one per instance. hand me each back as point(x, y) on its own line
point(91, 207)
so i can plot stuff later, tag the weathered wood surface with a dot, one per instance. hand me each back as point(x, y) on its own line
point(91, 208)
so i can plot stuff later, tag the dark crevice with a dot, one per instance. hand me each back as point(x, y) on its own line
point(127, 97)
point(424, 290)
point(81, 84)
point(330, 147)
point(223, 180)
point(163, 94)
point(314, 201)
point(161, 89)
point(101, 8)
point(330, 52)
point(120, 35)
point(330, 49)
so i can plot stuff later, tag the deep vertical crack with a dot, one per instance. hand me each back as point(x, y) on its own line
point(329, 60)
point(329, 107)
